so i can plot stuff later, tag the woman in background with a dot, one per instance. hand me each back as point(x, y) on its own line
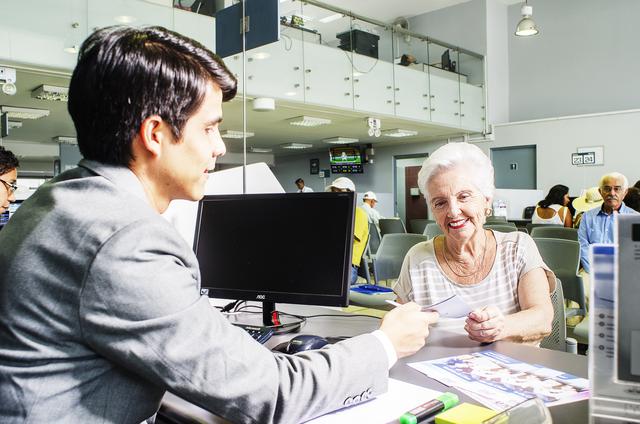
point(553, 208)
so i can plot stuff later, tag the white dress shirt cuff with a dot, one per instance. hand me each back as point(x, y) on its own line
point(388, 347)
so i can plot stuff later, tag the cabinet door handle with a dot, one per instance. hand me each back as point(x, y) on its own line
point(347, 78)
point(250, 77)
point(461, 102)
point(388, 87)
point(397, 103)
point(397, 89)
point(456, 114)
point(433, 109)
point(433, 96)
point(250, 59)
point(389, 101)
point(296, 68)
point(462, 115)
point(357, 96)
point(455, 101)
point(425, 95)
point(356, 80)
point(296, 85)
point(481, 107)
point(482, 119)
point(308, 71)
point(425, 108)
point(308, 88)
point(347, 94)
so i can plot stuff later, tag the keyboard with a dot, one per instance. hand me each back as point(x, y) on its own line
point(259, 334)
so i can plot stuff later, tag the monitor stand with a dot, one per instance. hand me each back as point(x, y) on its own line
point(271, 318)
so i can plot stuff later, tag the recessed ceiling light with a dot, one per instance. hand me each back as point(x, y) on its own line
point(290, 93)
point(72, 49)
point(24, 112)
point(63, 139)
point(296, 146)
point(261, 55)
point(331, 18)
point(341, 140)
point(51, 92)
point(308, 121)
point(398, 132)
point(235, 134)
point(125, 19)
point(260, 149)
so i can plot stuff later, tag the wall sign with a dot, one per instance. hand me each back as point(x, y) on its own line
point(314, 166)
point(588, 156)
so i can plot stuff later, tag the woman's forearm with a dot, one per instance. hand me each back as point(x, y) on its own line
point(528, 326)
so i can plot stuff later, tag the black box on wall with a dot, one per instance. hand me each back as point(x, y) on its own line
point(359, 41)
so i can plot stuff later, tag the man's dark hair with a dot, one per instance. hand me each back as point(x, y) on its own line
point(8, 161)
point(632, 199)
point(637, 184)
point(555, 196)
point(124, 75)
point(404, 60)
point(299, 180)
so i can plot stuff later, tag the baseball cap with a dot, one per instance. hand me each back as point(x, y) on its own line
point(341, 183)
point(370, 195)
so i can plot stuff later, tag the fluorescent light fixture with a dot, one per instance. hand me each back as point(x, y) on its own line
point(340, 140)
point(24, 112)
point(72, 49)
point(296, 146)
point(235, 134)
point(51, 92)
point(261, 149)
point(15, 124)
point(398, 132)
point(331, 18)
point(261, 55)
point(290, 93)
point(526, 27)
point(63, 139)
point(357, 74)
point(308, 121)
point(125, 19)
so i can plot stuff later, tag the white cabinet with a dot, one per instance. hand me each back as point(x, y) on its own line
point(472, 107)
point(411, 93)
point(275, 70)
point(234, 64)
point(327, 76)
point(445, 99)
point(372, 85)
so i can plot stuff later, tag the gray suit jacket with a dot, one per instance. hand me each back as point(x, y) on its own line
point(100, 313)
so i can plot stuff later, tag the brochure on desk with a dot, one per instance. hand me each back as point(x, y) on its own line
point(500, 382)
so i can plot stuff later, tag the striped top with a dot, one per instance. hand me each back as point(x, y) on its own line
point(423, 281)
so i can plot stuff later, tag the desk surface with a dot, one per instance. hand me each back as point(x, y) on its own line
point(441, 343)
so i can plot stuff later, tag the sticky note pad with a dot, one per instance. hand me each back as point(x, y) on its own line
point(465, 413)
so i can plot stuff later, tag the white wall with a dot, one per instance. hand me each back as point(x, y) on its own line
point(557, 138)
point(586, 59)
point(497, 59)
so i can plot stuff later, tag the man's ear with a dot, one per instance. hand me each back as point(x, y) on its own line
point(153, 134)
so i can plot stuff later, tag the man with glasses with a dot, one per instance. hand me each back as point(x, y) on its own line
point(597, 224)
point(8, 175)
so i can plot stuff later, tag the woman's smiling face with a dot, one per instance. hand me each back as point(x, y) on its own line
point(458, 205)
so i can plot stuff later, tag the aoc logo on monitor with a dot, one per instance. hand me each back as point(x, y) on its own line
point(261, 297)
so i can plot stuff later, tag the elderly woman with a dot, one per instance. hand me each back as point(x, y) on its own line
point(500, 275)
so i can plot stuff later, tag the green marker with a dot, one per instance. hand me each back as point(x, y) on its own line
point(429, 409)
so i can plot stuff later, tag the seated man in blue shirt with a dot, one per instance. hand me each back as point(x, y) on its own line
point(597, 224)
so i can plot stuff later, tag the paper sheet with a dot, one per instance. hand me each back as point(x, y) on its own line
point(453, 307)
point(400, 398)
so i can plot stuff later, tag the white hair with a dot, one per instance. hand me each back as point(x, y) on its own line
point(615, 176)
point(468, 156)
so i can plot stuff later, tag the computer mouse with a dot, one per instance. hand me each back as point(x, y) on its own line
point(303, 343)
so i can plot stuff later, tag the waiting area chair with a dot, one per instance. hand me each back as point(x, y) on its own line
point(391, 253)
point(431, 230)
point(391, 226)
point(555, 232)
point(563, 258)
point(374, 239)
point(496, 220)
point(503, 228)
point(417, 226)
point(558, 339)
point(531, 226)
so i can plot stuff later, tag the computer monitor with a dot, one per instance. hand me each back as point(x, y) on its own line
point(283, 247)
point(345, 160)
point(445, 60)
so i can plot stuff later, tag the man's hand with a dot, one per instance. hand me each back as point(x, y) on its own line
point(407, 328)
point(485, 325)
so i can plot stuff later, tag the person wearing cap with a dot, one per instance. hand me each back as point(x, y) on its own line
point(360, 225)
point(369, 201)
point(301, 187)
point(597, 223)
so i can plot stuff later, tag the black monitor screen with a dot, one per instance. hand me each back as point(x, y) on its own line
point(285, 247)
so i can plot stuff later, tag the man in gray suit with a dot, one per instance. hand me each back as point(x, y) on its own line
point(100, 311)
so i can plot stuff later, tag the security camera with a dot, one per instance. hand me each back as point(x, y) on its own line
point(8, 79)
point(9, 88)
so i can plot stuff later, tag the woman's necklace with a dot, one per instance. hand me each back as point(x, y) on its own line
point(477, 268)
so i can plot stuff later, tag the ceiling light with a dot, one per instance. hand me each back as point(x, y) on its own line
point(62, 139)
point(15, 124)
point(398, 132)
point(261, 55)
point(526, 26)
point(263, 104)
point(308, 121)
point(290, 93)
point(24, 112)
point(72, 49)
point(260, 150)
point(51, 92)
point(331, 18)
point(296, 146)
point(9, 89)
point(235, 134)
point(125, 19)
point(341, 140)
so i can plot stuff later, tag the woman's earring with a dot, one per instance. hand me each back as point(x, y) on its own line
point(488, 211)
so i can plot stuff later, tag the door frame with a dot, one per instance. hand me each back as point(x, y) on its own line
point(395, 175)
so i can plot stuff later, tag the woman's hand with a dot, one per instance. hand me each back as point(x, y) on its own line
point(485, 325)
